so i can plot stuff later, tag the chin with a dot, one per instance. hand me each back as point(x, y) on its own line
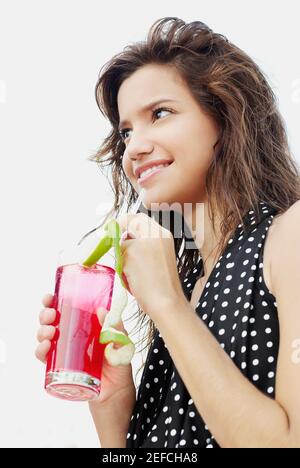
point(156, 197)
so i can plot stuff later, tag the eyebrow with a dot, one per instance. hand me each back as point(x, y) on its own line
point(146, 108)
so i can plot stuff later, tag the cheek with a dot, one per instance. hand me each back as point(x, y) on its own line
point(195, 162)
point(201, 152)
point(127, 168)
point(125, 165)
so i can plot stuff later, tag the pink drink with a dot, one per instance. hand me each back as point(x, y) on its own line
point(74, 362)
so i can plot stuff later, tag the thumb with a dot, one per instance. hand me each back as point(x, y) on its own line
point(101, 313)
point(126, 283)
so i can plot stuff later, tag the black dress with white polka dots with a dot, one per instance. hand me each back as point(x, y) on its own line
point(241, 312)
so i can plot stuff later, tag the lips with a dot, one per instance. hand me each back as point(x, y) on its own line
point(145, 178)
point(157, 162)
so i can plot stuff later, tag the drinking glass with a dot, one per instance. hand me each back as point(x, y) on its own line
point(75, 359)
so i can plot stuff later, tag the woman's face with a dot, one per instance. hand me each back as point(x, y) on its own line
point(180, 133)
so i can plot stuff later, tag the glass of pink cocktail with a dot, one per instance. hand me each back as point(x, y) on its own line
point(74, 362)
point(75, 359)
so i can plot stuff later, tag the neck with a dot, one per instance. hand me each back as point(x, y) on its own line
point(205, 238)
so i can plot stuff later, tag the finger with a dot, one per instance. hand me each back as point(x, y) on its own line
point(47, 316)
point(120, 327)
point(140, 225)
point(131, 224)
point(126, 282)
point(42, 350)
point(123, 221)
point(47, 300)
point(101, 313)
point(125, 244)
point(45, 332)
point(127, 235)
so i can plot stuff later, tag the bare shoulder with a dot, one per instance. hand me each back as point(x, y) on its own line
point(282, 227)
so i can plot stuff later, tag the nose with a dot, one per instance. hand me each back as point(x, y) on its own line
point(137, 147)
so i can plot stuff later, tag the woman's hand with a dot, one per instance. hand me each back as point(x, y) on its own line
point(149, 262)
point(116, 382)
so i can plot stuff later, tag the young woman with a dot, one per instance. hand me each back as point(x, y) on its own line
point(215, 375)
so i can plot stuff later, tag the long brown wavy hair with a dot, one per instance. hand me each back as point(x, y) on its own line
point(253, 163)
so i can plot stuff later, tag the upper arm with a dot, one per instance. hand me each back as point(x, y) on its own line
point(285, 277)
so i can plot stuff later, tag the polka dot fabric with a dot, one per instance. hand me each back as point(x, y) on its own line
point(241, 313)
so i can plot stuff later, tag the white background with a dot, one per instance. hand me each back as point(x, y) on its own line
point(50, 56)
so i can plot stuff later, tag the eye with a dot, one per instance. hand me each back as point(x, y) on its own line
point(154, 113)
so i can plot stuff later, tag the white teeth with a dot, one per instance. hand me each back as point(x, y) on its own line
point(151, 169)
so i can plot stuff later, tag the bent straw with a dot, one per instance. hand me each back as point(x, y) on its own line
point(111, 238)
point(133, 210)
point(138, 202)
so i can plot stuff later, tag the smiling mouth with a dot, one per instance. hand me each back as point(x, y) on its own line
point(156, 171)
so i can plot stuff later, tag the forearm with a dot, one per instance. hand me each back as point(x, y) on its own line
point(112, 421)
point(236, 412)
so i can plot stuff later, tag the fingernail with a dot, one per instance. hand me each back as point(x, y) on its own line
point(124, 235)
